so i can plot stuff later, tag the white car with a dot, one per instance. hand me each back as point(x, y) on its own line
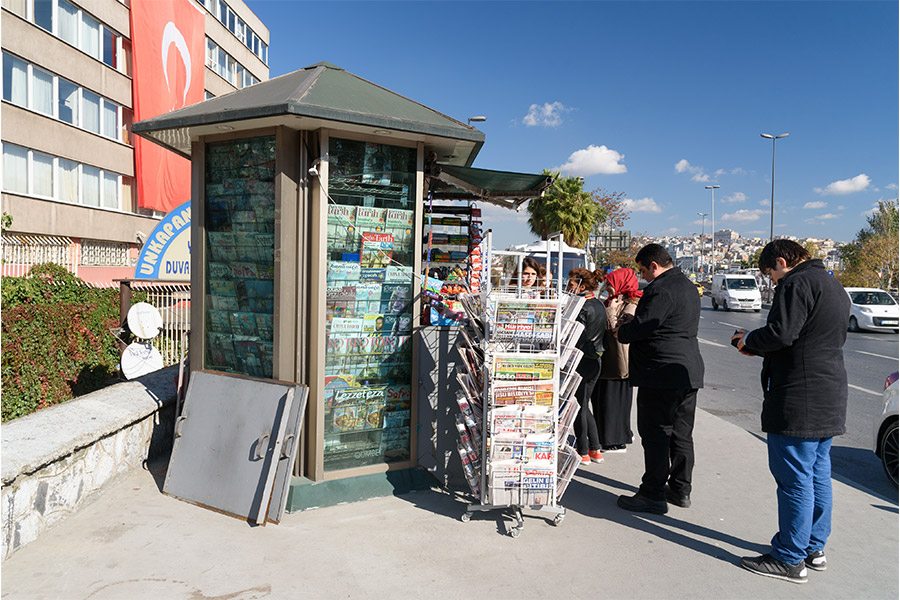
point(872, 308)
point(886, 429)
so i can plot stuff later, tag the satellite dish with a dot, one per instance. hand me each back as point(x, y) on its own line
point(140, 359)
point(144, 321)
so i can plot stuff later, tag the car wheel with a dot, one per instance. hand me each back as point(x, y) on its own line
point(715, 304)
point(854, 325)
point(725, 305)
point(889, 445)
point(757, 309)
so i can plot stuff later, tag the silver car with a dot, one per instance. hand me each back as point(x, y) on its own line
point(885, 429)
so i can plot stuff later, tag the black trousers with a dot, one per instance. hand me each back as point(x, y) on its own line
point(586, 437)
point(666, 426)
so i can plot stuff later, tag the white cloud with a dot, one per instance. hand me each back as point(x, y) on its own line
point(548, 114)
point(735, 198)
point(594, 160)
point(764, 202)
point(734, 171)
point(891, 186)
point(697, 173)
point(823, 218)
point(744, 215)
point(845, 186)
point(643, 205)
point(816, 204)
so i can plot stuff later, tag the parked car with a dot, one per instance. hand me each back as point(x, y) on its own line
point(732, 291)
point(886, 429)
point(872, 308)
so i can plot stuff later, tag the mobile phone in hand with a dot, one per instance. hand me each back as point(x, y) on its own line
point(736, 337)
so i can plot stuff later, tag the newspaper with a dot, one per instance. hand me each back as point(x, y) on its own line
point(523, 394)
point(522, 320)
point(514, 367)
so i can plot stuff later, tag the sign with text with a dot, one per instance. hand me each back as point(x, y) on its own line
point(167, 252)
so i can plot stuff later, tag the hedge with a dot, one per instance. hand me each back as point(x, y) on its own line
point(56, 339)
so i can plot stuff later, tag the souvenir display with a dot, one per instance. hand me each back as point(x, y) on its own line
point(240, 254)
point(368, 352)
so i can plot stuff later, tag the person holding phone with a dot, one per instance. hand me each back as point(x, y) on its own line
point(804, 403)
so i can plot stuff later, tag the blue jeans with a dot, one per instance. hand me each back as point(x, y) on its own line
point(802, 469)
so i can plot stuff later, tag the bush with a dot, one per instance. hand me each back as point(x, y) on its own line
point(56, 339)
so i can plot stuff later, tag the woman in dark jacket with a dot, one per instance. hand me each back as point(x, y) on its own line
point(593, 316)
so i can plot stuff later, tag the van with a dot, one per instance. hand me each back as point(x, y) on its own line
point(735, 292)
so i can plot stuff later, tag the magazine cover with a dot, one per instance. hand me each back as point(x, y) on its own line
point(508, 367)
point(398, 274)
point(527, 394)
point(368, 275)
point(369, 218)
point(376, 250)
point(400, 222)
point(339, 270)
point(395, 297)
point(343, 326)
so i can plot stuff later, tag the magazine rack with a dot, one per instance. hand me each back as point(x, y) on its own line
point(517, 376)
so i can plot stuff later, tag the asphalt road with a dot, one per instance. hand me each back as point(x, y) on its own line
point(732, 391)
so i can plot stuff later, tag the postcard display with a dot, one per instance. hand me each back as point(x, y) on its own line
point(240, 256)
point(368, 354)
point(517, 404)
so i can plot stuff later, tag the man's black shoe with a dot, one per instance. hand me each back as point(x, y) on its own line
point(682, 500)
point(641, 503)
point(769, 566)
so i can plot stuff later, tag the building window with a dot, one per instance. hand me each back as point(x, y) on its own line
point(67, 189)
point(69, 22)
point(33, 173)
point(42, 174)
point(15, 80)
point(17, 7)
point(90, 36)
point(15, 169)
point(67, 106)
point(90, 185)
point(95, 253)
point(90, 111)
point(41, 91)
point(43, 14)
point(110, 119)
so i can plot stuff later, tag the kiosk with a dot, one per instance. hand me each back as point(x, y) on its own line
point(309, 198)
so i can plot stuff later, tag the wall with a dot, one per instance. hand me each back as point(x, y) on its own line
point(56, 459)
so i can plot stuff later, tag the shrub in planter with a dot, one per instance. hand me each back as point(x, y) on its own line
point(56, 340)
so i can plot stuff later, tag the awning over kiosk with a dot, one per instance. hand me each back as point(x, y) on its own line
point(501, 188)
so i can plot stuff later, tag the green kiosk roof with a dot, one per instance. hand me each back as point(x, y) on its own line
point(324, 95)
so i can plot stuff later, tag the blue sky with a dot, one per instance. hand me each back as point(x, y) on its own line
point(653, 99)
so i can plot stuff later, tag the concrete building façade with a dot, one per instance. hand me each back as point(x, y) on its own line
point(68, 156)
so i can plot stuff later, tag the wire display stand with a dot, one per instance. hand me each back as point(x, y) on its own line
point(518, 380)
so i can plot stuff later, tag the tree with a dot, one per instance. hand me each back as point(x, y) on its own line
point(565, 207)
point(871, 260)
point(812, 247)
point(623, 258)
point(612, 207)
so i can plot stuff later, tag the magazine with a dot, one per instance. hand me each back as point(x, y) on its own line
point(376, 250)
point(343, 271)
point(515, 367)
point(369, 218)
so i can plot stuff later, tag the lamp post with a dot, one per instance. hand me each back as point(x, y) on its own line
point(774, 138)
point(477, 119)
point(713, 188)
point(703, 216)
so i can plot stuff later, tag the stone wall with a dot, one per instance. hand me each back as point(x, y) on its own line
point(57, 458)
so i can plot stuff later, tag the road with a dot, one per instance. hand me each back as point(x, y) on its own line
point(732, 391)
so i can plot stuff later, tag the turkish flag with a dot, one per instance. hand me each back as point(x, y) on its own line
point(168, 51)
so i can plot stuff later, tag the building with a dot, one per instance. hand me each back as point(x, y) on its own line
point(726, 236)
point(69, 174)
point(604, 240)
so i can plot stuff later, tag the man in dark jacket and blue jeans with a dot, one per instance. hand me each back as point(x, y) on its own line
point(805, 403)
point(664, 363)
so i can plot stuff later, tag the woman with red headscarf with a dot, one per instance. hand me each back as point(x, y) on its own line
point(612, 395)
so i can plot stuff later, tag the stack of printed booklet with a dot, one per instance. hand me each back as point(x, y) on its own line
point(517, 407)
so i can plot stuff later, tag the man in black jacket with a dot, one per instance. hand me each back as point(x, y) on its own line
point(804, 403)
point(665, 364)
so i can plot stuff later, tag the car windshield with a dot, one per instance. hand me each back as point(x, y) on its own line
point(872, 298)
point(742, 284)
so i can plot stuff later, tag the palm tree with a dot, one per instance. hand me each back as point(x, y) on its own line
point(565, 207)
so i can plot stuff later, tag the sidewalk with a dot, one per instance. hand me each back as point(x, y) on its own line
point(133, 543)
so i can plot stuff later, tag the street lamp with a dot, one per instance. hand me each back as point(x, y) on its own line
point(703, 216)
point(713, 188)
point(774, 138)
point(477, 119)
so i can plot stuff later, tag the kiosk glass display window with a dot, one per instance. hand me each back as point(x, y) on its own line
point(369, 311)
point(240, 255)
